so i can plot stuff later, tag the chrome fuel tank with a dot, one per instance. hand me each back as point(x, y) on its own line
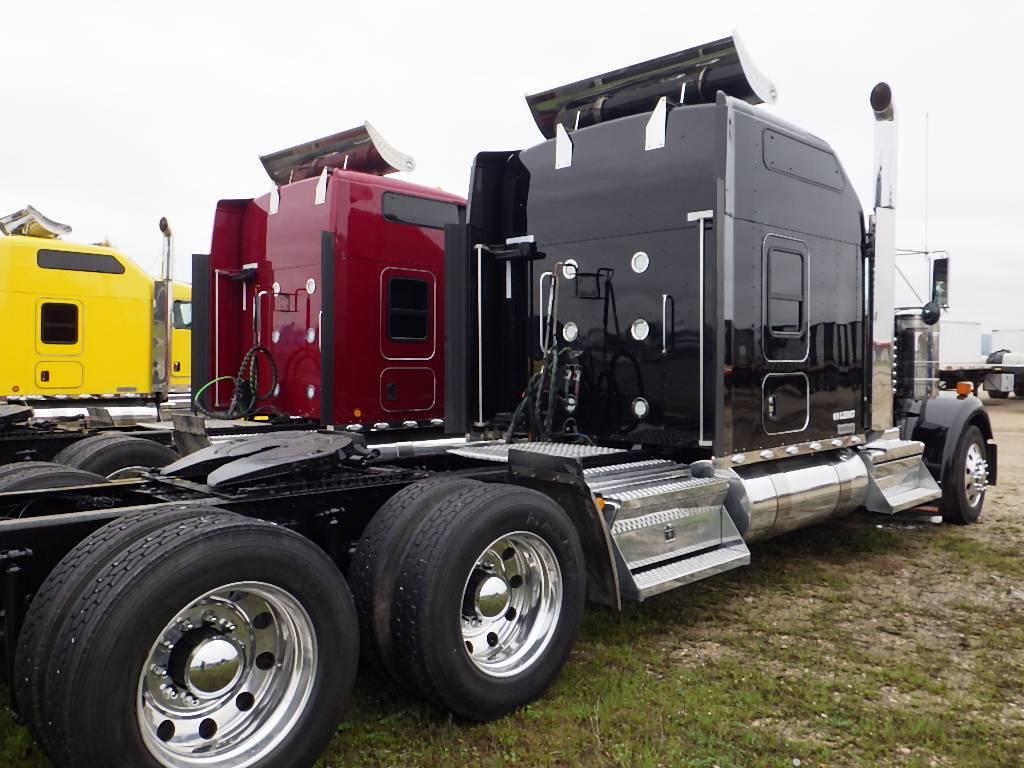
point(792, 493)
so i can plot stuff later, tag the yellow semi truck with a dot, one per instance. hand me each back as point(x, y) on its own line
point(84, 320)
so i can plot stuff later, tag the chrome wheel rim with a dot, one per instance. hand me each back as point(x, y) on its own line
point(510, 604)
point(975, 474)
point(228, 678)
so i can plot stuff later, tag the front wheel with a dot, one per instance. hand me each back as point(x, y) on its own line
point(489, 600)
point(214, 642)
point(963, 491)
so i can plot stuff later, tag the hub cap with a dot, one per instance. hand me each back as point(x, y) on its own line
point(511, 604)
point(228, 678)
point(975, 475)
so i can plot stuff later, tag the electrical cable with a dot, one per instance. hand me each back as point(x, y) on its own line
point(245, 395)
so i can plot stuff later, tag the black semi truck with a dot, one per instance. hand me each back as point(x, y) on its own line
point(670, 334)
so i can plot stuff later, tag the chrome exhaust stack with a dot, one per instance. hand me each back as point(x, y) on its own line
point(883, 237)
point(691, 76)
point(160, 340)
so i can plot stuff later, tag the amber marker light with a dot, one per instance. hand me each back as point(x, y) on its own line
point(964, 388)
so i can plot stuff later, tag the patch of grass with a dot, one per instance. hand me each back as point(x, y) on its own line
point(822, 651)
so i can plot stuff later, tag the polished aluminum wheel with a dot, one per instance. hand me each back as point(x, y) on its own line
point(511, 604)
point(975, 474)
point(228, 678)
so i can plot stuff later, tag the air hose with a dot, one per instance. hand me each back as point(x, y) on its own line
point(245, 395)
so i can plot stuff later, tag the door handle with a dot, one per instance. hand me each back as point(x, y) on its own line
point(771, 406)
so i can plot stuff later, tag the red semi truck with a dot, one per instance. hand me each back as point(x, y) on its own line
point(328, 291)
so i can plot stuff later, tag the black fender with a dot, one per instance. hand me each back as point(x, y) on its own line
point(939, 422)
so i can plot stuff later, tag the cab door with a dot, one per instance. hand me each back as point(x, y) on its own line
point(59, 343)
point(408, 341)
point(181, 343)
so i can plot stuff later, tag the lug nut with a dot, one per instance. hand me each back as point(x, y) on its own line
point(159, 671)
point(169, 691)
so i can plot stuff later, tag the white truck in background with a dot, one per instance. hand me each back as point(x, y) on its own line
point(961, 359)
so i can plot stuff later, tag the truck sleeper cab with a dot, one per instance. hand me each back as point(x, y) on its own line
point(79, 318)
point(338, 275)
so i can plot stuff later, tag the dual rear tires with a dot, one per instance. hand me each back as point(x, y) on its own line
point(212, 640)
point(107, 453)
point(484, 605)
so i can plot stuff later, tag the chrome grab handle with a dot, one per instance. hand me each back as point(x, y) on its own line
point(542, 317)
point(664, 323)
point(320, 330)
point(480, 333)
point(256, 324)
point(700, 217)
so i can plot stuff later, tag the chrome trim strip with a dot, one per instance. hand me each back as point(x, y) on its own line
point(480, 334)
point(823, 445)
point(700, 217)
point(664, 323)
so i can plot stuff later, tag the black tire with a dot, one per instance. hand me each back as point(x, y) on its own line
point(374, 569)
point(437, 563)
point(997, 395)
point(140, 592)
point(67, 454)
point(42, 475)
point(955, 505)
point(65, 583)
point(1018, 387)
point(104, 454)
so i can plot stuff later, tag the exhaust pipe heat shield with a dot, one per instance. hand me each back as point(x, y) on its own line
point(722, 65)
point(360, 149)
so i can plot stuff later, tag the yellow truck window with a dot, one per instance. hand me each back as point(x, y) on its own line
point(58, 323)
point(79, 262)
point(182, 315)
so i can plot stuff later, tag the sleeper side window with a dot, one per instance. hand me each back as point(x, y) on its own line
point(408, 309)
point(58, 323)
point(787, 289)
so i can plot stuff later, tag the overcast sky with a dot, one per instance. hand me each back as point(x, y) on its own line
point(118, 114)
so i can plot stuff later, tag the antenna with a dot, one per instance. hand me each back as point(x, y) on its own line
point(926, 185)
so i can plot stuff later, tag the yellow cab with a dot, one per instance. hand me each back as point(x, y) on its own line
point(85, 320)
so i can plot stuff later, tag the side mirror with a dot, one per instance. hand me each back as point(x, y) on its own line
point(930, 313)
point(940, 282)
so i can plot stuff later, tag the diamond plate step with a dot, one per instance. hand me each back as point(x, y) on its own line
point(687, 570)
point(498, 451)
point(898, 480)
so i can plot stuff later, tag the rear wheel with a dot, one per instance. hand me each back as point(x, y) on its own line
point(489, 600)
point(74, 574)
point(236, 647)
point(42, 475)
point(997, 395)
point(963, 492)
point(375, 565)
point(107, 453)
